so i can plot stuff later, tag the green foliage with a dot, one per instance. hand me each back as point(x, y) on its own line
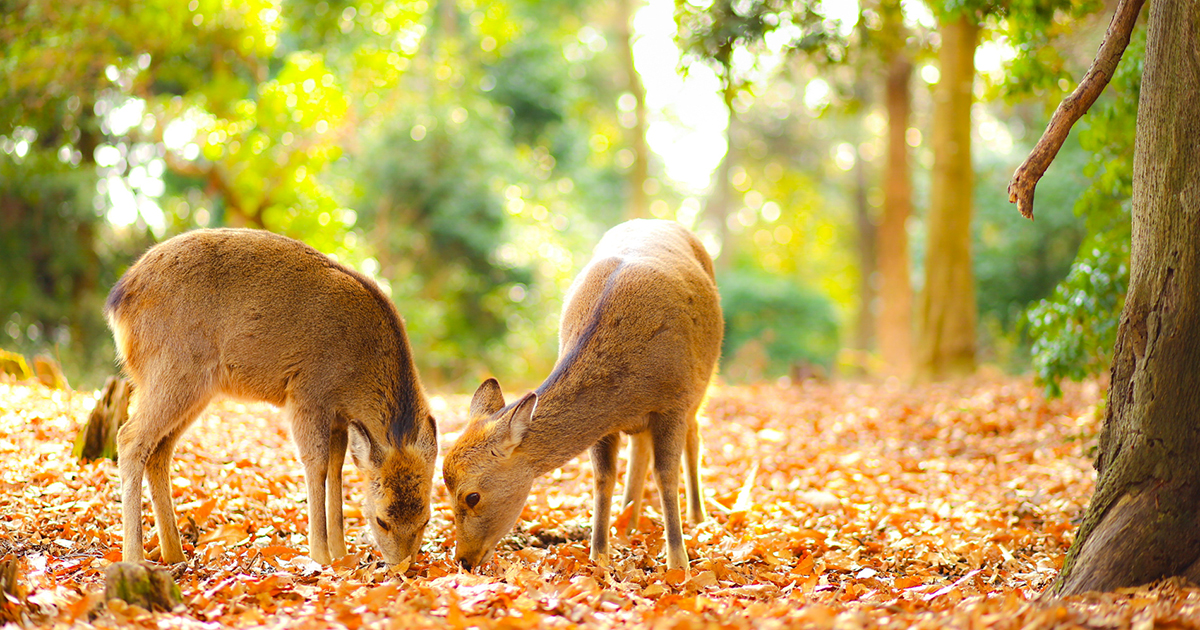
point(1018, 262)
point(786, 322)
point(1036, 28)
point(466, 198)
point(466, 155)
point(439, 146)
point(1075, 330)
point(439, 219)
point(52, 271)
point(533, 85)
point(126, 120)
point(713, 34)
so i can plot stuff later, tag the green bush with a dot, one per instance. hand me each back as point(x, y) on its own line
point(787, 323)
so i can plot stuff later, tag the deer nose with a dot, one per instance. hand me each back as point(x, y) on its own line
point(466, 564)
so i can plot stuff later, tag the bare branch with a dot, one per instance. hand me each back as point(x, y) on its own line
point(1074, 106)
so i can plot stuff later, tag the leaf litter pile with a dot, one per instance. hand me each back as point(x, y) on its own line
point(831, 505)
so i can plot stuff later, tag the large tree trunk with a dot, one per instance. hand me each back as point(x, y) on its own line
point(1143, 522)
point(948, 312)
point(639, 171)
point(894, 321)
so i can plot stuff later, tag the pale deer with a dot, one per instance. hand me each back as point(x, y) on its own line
point(258, 316)
point(639, 339)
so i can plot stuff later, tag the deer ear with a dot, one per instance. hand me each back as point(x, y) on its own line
point(517, 426)
point(426, 441)
point(363, 450)
point(488, 399)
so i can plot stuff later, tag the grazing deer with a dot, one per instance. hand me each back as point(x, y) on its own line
point(639, 339)
point(255, 315)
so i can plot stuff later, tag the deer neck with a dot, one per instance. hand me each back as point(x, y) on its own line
point(577, 405)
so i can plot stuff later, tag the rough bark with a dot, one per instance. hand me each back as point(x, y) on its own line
point(1143, 522)
point(894, 322)
point(98, 439)
point(948, 312)
point(639, 171)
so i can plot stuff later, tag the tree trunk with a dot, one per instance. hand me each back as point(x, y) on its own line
point(948, 311)
point(864, 334)
point(894, 326)
point(639, 171)
point(1143, 522)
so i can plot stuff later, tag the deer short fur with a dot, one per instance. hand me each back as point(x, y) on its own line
point(639, 339)
point(258, 316)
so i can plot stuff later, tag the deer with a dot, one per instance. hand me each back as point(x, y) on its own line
point(639, 338)
point(257, 316)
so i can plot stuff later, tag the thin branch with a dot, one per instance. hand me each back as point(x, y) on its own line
point(1075, 105)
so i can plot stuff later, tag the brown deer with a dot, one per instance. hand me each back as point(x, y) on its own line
point(639, 339)
point(255, 315)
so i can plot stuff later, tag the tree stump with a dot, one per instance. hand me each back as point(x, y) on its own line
point(12, 594)
point(49, 372)
point(98, 438)
point(14, 365)
point(141, 585)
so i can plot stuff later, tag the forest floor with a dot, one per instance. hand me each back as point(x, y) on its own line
point(832, 505)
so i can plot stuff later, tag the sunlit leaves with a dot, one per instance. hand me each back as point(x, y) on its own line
point(300, 96)
point(1034, 28)
point(735, 36)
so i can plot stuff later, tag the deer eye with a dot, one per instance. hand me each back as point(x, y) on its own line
point(472, 499)
point(383, 524)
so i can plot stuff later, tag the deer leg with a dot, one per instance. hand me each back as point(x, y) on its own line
point(311, 431)
point(691, 479)
point(144, 447)
point(158, 477)
point(333, 492)
point(668, 435)
point(640, 451)
point(604, 470)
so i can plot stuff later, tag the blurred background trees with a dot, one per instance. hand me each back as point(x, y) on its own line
point(468, 155)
